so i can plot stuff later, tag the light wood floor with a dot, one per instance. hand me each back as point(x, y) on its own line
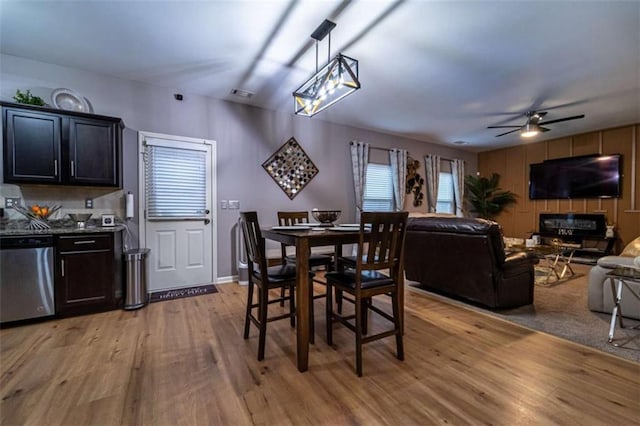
point(184, 362)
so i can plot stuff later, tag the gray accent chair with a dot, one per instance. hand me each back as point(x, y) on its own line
point(600, 297)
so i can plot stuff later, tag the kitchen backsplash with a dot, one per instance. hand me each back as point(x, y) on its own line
point(72, 199)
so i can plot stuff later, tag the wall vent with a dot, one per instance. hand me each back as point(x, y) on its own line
point(242, 93)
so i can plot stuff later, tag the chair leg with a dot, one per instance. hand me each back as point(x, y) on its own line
point(312, 328)
point(365, 314)
point(395, 302)
point(339, 301)
point(292, 305)
point(282, 296)
point(264, 294)
point(329, 314)
point(247, 318)
point(359, 306)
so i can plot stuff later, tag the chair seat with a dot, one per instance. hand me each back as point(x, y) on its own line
point(279, 273)
point(370, 279)
point(314, 259)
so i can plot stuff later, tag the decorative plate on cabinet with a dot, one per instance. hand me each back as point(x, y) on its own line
point(69, 100)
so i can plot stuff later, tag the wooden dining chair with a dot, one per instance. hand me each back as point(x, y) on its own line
point(315, 260)
point(265, 279)
point(380, 248)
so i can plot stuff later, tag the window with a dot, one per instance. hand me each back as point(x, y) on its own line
point(378, 193)
point(445, 203)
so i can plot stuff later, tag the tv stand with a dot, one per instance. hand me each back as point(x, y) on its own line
point(587, 230)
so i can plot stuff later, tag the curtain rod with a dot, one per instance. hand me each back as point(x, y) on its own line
point(389, 149)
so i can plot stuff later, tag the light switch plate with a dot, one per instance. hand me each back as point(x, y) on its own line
point(9, 202)
point(88, 203)
point(224, 204)
point(234, 204)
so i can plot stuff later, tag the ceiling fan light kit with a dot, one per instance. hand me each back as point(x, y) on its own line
point(336, 80)
point(533, 125)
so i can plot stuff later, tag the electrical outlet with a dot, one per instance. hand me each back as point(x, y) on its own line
point(234, 204)
point(9, 202)
point(224, 204)
point(88, 203)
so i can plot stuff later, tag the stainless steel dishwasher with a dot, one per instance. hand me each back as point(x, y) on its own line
point(26, 277)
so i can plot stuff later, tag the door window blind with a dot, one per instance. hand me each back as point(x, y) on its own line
point(175, 183)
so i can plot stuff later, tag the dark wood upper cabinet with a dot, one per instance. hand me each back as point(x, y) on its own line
point(50, 146)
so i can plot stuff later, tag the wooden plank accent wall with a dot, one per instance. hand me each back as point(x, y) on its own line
point(513, 163)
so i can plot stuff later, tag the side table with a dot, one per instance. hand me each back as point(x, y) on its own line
point(619, 279)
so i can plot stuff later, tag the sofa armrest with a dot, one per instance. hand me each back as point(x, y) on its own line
point(523, 256)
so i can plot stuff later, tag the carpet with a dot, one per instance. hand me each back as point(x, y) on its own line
point(561, 310)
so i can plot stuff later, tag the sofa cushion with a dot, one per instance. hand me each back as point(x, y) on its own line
point(632, 249)
point(610, 262)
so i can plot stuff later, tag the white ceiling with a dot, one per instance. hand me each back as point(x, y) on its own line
point(437, 71)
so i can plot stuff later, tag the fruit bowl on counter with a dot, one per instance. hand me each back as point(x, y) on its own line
point(37, 215)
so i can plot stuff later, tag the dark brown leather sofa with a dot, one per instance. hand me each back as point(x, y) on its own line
point(465, 258)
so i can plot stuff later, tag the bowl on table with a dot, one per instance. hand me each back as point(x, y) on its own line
point(326, 217)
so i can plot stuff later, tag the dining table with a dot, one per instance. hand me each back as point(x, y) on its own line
point(303, 239)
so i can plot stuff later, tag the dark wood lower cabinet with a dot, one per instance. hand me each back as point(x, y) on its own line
point(88, 277)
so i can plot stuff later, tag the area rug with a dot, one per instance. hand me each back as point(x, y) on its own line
point(179, 293)
point(561, 310)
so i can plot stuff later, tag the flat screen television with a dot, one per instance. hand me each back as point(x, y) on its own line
point(589, 176)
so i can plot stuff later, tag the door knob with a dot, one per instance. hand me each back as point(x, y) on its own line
point(207, 221)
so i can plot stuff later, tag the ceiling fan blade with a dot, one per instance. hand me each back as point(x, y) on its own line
point(542, 113)
point(506, 133)
point(575, 117)
point(503, 127)
point(543, 129)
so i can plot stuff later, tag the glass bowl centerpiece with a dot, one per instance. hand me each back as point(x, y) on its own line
point(326, 217)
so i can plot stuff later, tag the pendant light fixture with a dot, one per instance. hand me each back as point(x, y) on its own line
point(337, 79)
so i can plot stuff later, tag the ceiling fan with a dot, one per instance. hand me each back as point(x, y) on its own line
point(534, 123)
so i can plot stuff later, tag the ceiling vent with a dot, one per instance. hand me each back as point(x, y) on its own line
point(242, 93)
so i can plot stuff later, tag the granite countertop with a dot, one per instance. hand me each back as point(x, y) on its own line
point(19, 227)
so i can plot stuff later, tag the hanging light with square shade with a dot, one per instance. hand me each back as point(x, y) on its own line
point(337, 79)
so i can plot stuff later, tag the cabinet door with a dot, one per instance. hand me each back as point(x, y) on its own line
point(84, 273)
point(93, 152)
point(32, 147)
point(85, 281)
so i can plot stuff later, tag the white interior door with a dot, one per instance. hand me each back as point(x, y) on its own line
point(178, 181)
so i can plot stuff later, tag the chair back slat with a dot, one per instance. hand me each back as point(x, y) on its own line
point(290, 219)
point(253, 241)
point(380, 247)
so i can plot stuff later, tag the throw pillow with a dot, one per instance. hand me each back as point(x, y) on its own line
point(632, 249)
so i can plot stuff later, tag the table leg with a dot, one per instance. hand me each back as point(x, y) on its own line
point(302, 302)
point(616, 291)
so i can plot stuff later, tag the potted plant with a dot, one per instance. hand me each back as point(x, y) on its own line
point(28, 99)
point(487, 199)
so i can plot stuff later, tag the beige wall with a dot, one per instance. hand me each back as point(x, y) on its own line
point(512, 164)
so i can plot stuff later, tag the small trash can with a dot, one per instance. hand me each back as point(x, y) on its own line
point(136, 278)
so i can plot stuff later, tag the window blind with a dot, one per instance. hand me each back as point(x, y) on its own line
point(175, 183)
point(378, 193)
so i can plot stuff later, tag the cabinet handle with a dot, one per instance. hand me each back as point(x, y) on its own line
point(55, 167)
point(85, 242)
point(62, 266)
point(73, 168)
